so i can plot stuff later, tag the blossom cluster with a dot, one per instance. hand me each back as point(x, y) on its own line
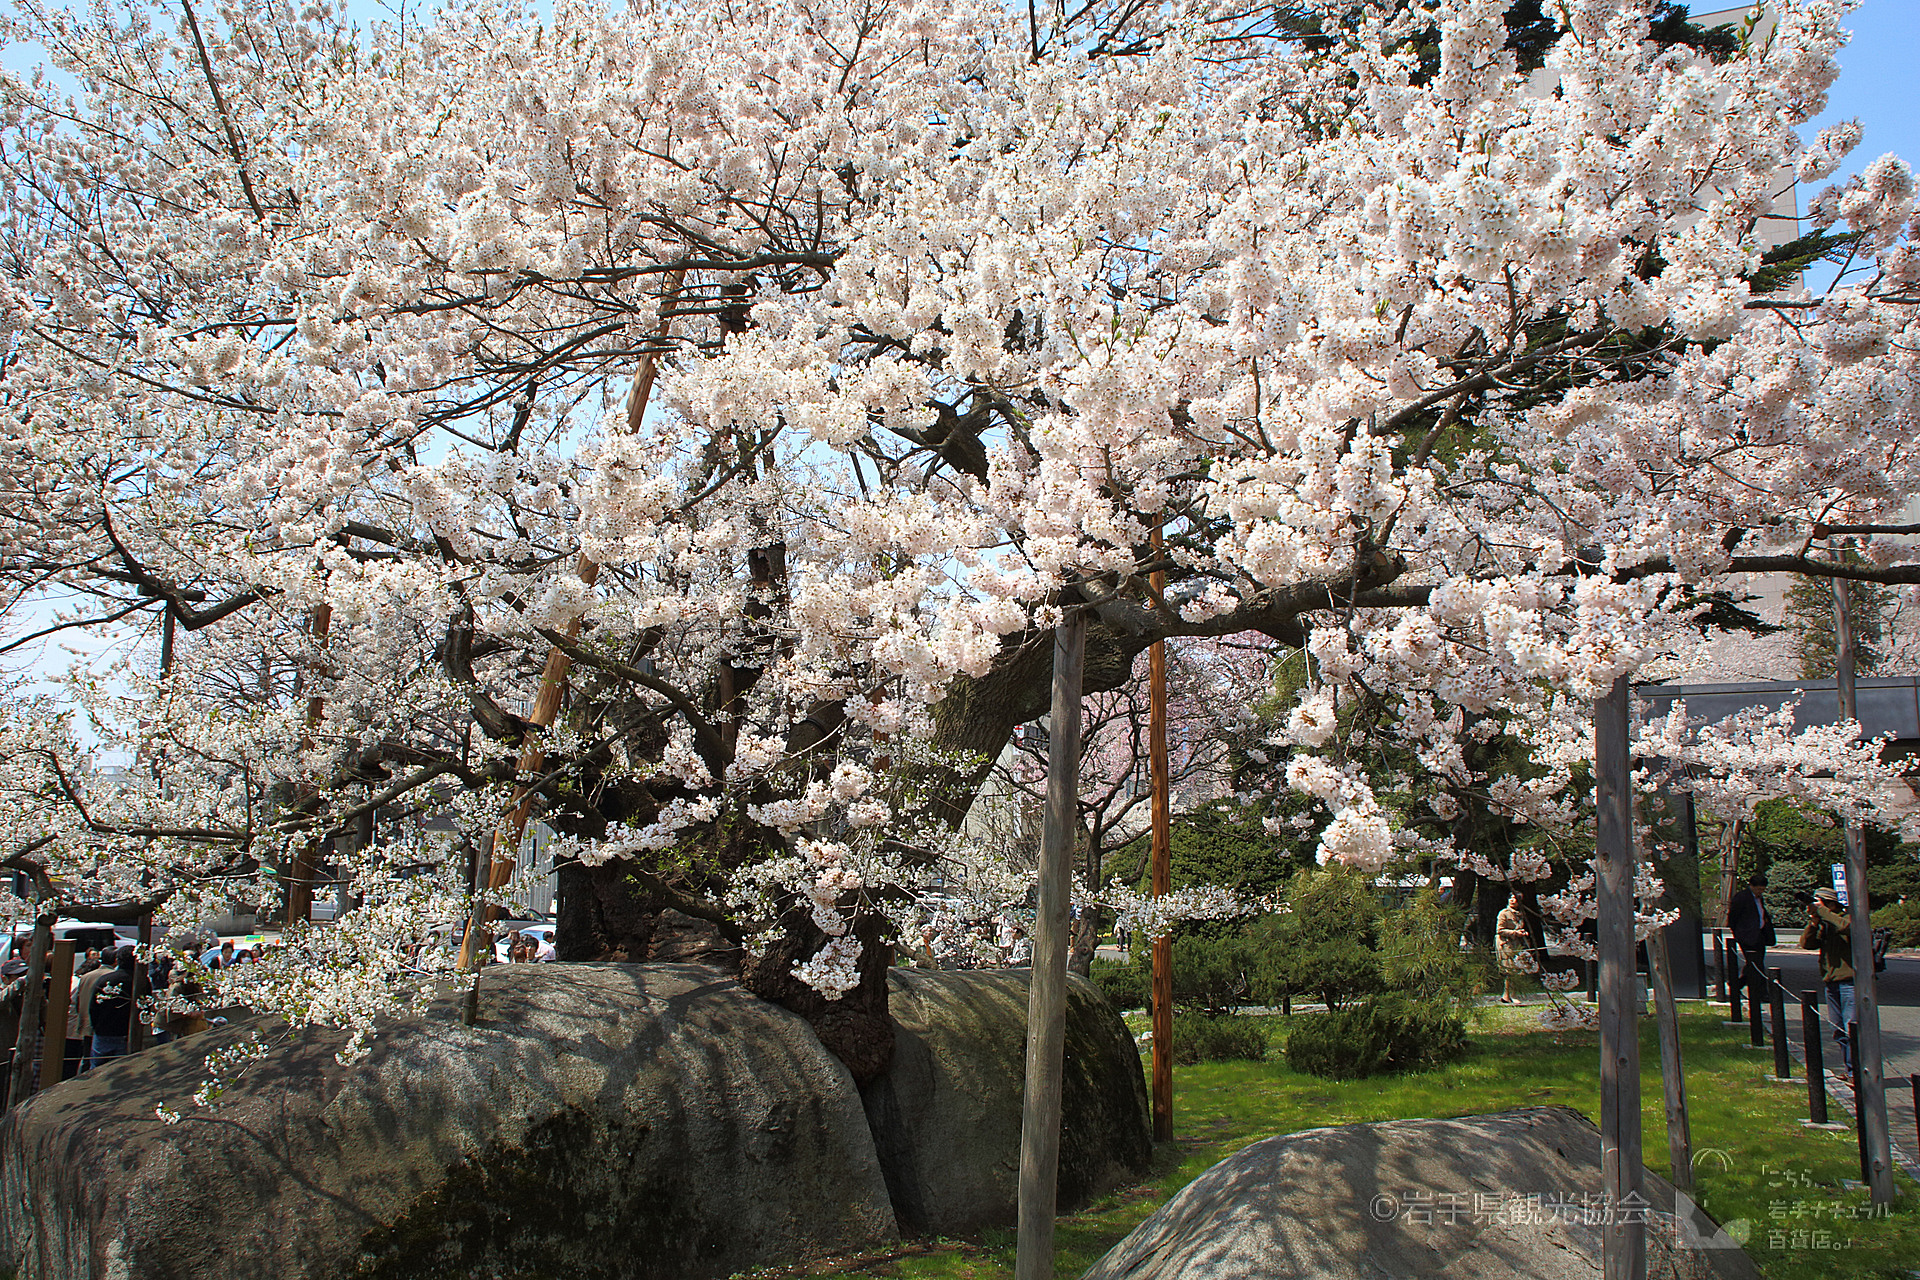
point(785, 372)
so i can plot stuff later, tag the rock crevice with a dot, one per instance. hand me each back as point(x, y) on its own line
point(599, 1121)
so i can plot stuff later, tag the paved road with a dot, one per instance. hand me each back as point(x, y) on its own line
point(1899, 989)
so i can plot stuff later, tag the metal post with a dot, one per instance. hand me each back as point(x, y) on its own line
point(1719, 967)
point(1755, 976)
point(1859, 1111)
point(1672, 1075)
point(1736, 974)
point(1782, 1060)
point(1624, 1237)
point(1047, 1001)
point(1869, 1099)
point(1812, 1031)
point(1162, 873)
point(1914, 1081)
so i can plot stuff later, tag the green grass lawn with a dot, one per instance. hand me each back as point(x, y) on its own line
point(1754, 1161)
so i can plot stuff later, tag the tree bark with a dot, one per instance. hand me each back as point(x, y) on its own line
point(1869, 1071)
point(1624, 1236)
point(1047, 997)
point(1083, 939)
point(1672, 1072)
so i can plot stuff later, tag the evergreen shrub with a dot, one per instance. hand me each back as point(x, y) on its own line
point(1390, 1032)
point(1204, 1037)
point(1124, 986)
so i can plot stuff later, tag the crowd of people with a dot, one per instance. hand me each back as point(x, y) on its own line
point(172, 996)
point(176, 994)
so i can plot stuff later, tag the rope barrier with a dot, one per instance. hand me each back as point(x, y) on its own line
point(1788, 993)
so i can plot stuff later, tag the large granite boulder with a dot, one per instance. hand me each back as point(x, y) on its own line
point(946, 1114)
point(596, 1121)
point(1504, 1196)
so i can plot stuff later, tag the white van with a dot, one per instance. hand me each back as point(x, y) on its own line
point(86, 935)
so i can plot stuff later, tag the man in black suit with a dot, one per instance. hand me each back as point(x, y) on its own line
point(1752, 927)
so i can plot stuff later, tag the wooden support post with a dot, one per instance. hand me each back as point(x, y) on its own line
point(1624, 1237)
point(1162, 875)
point(32, 1008)
point(298, 891)
point(1047, 1002)
point(1672, 1075)
point(553, 682)
point(1870, 1098)
point(533, 758)
point(53, 1061)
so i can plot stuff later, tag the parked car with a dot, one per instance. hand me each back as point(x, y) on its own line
point(540, 933)
point(252, 942)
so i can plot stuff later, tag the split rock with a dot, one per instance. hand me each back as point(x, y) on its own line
point(946, 1114)
point(610, 1121)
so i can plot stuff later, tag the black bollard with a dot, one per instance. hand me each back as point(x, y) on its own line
point(1811, 1030)
point(1755, 976)
point(1719, 967)
point(1734, 977)
point(1859, 1112)
point(1782, 1060)
point(1915, 1082)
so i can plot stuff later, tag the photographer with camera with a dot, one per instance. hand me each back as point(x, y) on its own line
point(1829, 932)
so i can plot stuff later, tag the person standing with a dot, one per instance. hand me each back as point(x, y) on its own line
point(1830, 933)
point(1510, 943)
point(1752, 927)
point(159, 980)
point(184, 1016)
point(81, 1012)
point(111, 1009)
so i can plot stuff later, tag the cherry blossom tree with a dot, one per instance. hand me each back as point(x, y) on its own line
point(779, 375)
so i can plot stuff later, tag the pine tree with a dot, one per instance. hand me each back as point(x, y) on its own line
point(1810, 618)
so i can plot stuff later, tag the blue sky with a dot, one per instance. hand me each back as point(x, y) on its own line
point(1877, 83)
